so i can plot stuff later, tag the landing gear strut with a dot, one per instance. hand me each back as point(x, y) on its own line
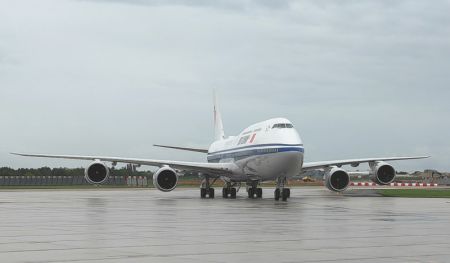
point(253, 190)
point(206, 188)
point(229, 191)
point(281, 191)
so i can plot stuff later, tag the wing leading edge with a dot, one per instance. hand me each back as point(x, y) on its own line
point(211, 168)
point(355, 162)
point(182, 148)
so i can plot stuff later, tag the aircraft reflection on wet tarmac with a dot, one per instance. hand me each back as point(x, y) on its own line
point(150, 226)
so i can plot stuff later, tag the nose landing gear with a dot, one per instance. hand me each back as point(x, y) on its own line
point(281, 191)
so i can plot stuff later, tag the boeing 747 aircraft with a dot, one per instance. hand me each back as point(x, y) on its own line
point(266, 151)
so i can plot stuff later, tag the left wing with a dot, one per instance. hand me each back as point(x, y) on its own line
point(211, 168)
point(355, 162)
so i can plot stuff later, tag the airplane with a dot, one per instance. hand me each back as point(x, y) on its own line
point(270, 150)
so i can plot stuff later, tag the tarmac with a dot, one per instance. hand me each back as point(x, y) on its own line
point(129, 225)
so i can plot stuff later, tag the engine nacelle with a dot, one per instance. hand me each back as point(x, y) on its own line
point(336, 179)
point(96, 173)
point(382, 173)
point(165, 179)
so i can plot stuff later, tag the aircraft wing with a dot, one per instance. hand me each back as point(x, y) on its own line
point(209, 168)
point(182, 148)
point(355, 162)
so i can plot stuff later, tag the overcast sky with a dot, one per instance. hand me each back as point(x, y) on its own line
point(357, 78)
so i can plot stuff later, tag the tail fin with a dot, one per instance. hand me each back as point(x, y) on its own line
point(219, 134)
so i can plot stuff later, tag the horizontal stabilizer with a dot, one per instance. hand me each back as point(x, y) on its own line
point(182, 148)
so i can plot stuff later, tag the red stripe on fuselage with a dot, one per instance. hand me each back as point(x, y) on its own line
point(253, 138)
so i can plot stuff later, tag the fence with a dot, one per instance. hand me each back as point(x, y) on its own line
point(132, 181)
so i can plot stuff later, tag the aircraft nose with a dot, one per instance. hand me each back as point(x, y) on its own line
point(294, 137)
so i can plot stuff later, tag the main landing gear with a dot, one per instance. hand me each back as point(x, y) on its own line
point(253, 190)
point(281, 191)
point(206, 188)
point(229, 191)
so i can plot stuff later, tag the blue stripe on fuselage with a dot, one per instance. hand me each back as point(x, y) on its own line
point(238, 153)
point(258, 145)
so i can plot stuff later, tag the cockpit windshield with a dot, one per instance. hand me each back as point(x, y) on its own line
point(282, 126)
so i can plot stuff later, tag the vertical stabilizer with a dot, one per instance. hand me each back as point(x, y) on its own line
point(218, 125)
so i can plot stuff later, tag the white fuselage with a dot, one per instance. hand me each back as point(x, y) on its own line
point(263, 151)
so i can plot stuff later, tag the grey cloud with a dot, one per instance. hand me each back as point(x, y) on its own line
point(357, 78)
point(219, 4)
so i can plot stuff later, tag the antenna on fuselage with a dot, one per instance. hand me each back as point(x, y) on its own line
point(219, 134)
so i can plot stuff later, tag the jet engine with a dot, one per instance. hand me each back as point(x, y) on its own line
point(336, 179)
point(96, 173)
point(382, 173)
point(165, 179)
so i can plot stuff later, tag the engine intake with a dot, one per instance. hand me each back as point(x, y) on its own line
point(165, 179)
point(96, 173)
point(382, 173)
point(336, 179)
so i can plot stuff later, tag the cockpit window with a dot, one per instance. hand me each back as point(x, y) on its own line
point(282, 125)
point(279, 125)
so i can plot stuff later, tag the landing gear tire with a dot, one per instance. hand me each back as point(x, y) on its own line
point(233, 193)
point(285, 194)
point(281, 191)
point(225, 192)
point(251, 192)
point(277, 194)
point(203, 192)
point(259, 192)
point(206, 188)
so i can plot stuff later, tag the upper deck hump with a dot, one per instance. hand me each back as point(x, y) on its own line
point(258, 133)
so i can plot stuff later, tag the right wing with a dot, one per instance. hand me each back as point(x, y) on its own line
point(208, 168)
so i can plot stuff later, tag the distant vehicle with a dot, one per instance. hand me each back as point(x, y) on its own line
point(308, 179)
point(266, 151)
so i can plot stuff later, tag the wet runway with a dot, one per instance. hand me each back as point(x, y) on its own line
point(150, 226)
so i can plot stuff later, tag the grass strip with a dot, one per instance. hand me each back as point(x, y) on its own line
point(416, 193)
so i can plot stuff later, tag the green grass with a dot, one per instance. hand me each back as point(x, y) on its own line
point(416, 193)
